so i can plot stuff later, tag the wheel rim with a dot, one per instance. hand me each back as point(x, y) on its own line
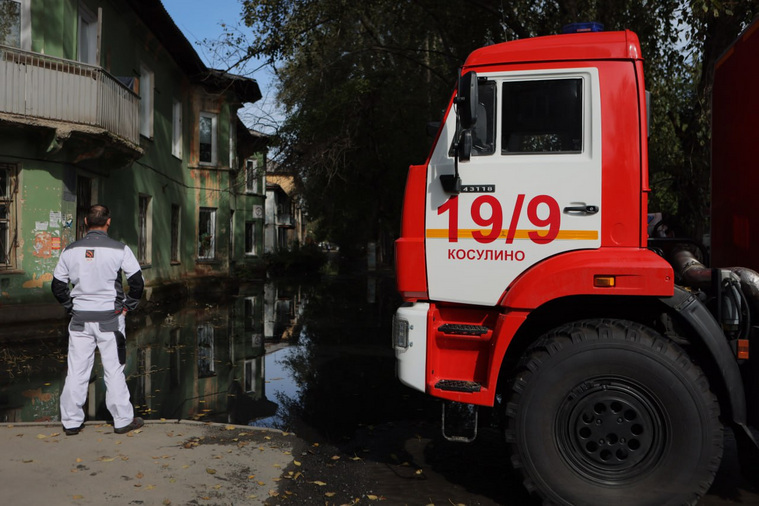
point(611, 430)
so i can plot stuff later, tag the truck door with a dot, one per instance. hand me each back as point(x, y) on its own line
point(531, 189)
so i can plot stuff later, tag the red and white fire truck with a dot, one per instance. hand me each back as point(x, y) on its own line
point(534, 283)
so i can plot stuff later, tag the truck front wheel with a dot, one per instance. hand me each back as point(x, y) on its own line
point(611, 412)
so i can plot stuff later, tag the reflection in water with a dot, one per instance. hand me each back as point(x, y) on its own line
point(204, 363)
point(278, 355)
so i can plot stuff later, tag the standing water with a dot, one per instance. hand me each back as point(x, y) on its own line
point(275, 354)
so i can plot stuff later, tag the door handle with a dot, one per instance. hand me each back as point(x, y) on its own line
point(581, 209)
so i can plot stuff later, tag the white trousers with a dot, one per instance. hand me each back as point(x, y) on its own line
point(81, 358)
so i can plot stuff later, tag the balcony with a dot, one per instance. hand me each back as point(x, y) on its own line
point(40, 87)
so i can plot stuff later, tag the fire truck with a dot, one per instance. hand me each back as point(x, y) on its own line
point(534, 281)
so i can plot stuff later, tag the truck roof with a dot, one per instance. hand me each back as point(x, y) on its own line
point(622, 45)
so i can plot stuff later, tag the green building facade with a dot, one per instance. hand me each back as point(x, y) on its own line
point(107, 102)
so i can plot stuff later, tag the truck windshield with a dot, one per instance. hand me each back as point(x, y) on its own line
point(542, 116)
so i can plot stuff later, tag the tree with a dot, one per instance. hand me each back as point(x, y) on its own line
point(359, 80)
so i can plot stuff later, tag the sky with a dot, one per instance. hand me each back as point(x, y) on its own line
point(201, 20)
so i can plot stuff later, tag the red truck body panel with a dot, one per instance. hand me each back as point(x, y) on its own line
point(735, 162)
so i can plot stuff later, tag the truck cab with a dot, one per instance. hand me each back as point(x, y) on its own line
point(531, 286)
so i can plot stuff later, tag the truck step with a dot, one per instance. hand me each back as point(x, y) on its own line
point(463, 329)
point(458, 386)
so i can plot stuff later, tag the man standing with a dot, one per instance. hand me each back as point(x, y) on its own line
point(97, 305)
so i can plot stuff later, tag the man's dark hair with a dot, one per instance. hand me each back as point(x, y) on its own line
point(97, 216)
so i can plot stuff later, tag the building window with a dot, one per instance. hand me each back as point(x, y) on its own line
point(10, 23)
point(176, 132)
point(250, 238)
point(146, 85)
point(144, 231)
point(207, 135)
point(251, 176)
point(175, 233)
point(232, 145)
point(207, 233)
point(7, 215)
point(88, 35)
point(15, 24)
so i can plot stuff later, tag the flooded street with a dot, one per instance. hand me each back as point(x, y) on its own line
point(309, 358)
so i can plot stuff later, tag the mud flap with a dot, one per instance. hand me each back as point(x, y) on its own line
point(460, 421)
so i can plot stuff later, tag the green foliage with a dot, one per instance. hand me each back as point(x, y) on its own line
point(360, 80)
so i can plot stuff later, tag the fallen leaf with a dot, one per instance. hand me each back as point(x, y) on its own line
point(296, 462)
point(262, 483)
point(77, 497)
point(251, 476)
point(78, 460)
point(139, 475)
point(335, 457)
point(320, 483)
point(210, 471)
point(273, 493)
point(329, 494)
point(107, 459)
point(372, 497)
point(150, 487)
point(230, 427)
point(41, 436)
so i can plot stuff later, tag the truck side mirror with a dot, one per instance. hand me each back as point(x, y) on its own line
point(467, 100)
point(464, 147)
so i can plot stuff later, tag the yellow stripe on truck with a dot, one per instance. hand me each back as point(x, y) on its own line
point(566, 235)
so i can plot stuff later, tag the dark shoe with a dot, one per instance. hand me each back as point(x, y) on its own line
point(74, 431)
point(137, 422)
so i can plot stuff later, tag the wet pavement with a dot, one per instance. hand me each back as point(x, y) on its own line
point(309, 365)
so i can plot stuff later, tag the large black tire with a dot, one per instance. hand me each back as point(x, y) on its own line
point(610, 412)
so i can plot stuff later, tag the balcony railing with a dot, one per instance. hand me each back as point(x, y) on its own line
point(41, 86)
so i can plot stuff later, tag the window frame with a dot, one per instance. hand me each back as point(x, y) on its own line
point(176, 129)
point(251, 234)
point(251, 176)
point(87, 35)
point(25, 25)
point(8, 256)
point(144, 229)
point(214, 138)
point(147, 93)
point(176, 232)
point(212, 234)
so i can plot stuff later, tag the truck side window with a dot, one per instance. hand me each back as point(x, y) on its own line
point(483, 132)
point(542, 116)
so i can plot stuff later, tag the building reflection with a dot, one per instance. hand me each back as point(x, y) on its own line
point(203, 363)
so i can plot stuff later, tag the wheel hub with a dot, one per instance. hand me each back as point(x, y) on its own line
point(610, 429)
